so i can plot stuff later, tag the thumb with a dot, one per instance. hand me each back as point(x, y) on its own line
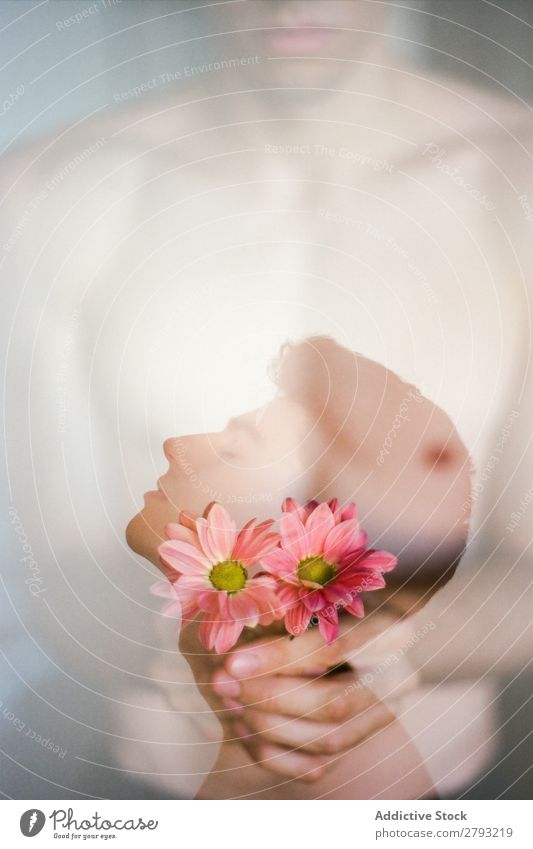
point(284, 655)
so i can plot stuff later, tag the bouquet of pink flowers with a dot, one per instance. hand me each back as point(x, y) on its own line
point(316, 564)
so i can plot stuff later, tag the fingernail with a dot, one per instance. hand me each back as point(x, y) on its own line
point(241, 730)
point(231, 704)
point(224, 685)
point(243, 664)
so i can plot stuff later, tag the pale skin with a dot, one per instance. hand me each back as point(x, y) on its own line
point(436, 462)
point(373, 111)
point(296, 720)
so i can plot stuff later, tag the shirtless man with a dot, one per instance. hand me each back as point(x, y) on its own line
point(324, 434)
point(351, 195)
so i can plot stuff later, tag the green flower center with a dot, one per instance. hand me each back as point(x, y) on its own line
point(315, 569)
point(229, 576)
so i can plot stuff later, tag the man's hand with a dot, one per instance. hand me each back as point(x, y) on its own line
point(296, 704)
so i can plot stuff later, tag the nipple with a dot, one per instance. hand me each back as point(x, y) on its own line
point(438, 456)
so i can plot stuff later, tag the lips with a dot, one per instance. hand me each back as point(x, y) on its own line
point(154, 493)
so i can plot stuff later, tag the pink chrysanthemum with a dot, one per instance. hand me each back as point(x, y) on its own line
point(323, 564)
point(211, 560)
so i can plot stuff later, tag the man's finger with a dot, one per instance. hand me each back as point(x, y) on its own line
point(298, 734)
point(321, 738)
point(281, 655)
point(293, 765)
point(306, 654)
point(332, 699)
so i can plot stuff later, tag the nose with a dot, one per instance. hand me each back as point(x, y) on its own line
point(169, 448)
point(193, 449)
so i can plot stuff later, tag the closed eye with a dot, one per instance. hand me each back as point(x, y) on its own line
point(244, 426)
point(236, 438)
point(227, 454)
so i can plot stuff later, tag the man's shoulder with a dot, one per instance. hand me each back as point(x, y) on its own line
point(472, 112)
point(482, 132)
point(113, 140)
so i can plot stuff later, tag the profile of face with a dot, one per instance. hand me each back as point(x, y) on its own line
point(341, 426)
point(248, 467)
point(315, 31)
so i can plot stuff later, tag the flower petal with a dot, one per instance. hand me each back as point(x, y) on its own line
point(195, 583)
point(365, 582)
point(334, 506)
point(208, 601)
point(223, 604)
point(319, 524)
point(181, 602)
point(184, 557)
point(250, 535)
point(328, 623)
point(382, 561)
point(207, 632)
point(263, 579)
point(176, 531)
point(164, 589)
point(243, 608)
point(269, 605)
point(356, 607)
point(205, 541)
point(290, 505)
point(343, 538)
point(288, 596)
point(174, 610)
point(188, 589)
point(282, 564)
point(221, 532)
point(188, 520)
point(243, 538)
point(293, 536)
point(270, 616)
point(297, 619)
point(309, 507)
point(226, 635)
point(348, 512)
point(313, 600)
point(256, 548)
point(338, 593)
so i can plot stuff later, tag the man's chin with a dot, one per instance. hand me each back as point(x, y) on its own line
point(142, 539)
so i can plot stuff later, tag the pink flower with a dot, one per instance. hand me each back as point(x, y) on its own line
point(323, 564)
point(303, 511)
point(211, 560)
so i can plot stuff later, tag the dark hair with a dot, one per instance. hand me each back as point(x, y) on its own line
point(326, 377)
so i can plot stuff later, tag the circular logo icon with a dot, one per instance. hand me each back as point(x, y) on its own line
point(32, 822)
